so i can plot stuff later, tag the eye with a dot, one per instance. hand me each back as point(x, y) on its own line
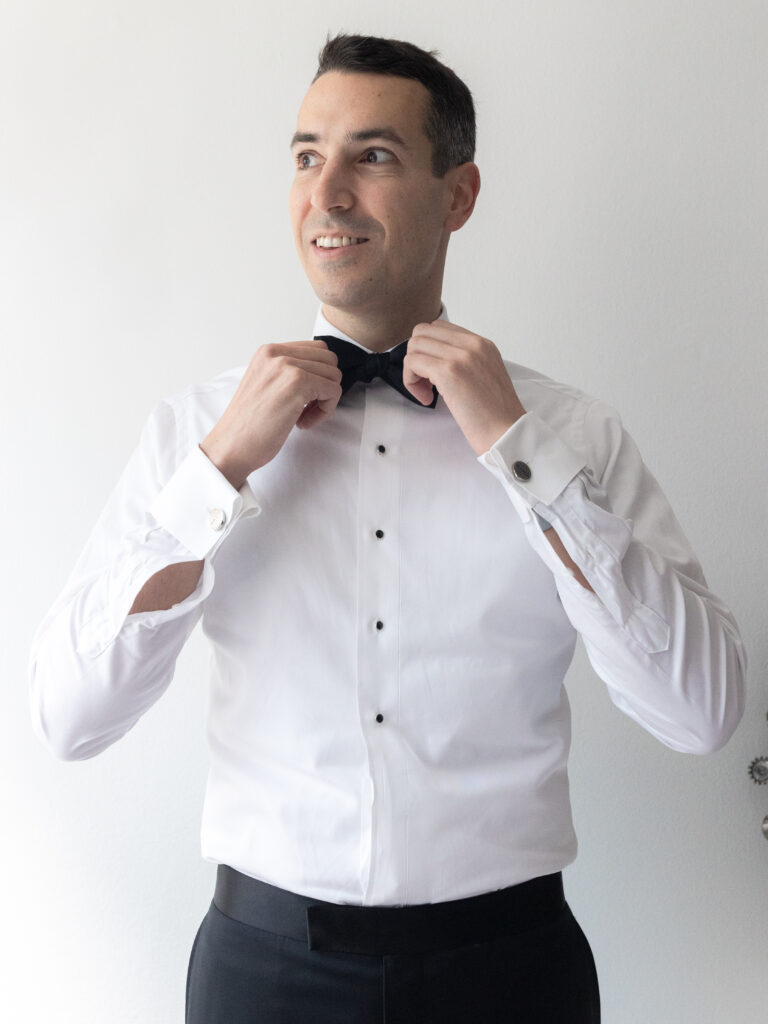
point(377, 156)
point(306, 160)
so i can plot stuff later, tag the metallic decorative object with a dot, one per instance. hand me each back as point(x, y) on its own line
point(758, 770)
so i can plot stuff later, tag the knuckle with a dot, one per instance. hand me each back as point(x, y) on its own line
point(452, 371)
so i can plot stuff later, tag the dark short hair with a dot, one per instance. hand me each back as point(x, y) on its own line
point(450, 123)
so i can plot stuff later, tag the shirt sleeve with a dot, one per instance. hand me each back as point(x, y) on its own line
point(667, 648)
point(94, 668)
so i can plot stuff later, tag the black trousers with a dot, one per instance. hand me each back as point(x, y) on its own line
point(298, 961)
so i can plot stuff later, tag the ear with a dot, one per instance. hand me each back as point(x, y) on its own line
point(464, 184)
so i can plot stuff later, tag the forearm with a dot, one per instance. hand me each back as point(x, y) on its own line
point(168, 587)
point(559, 548)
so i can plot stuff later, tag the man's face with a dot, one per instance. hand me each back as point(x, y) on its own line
point(364, 178)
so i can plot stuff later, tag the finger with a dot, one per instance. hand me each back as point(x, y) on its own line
point(326, 404)
point(439, 327)
point(317, 351)
point(441, 330)
point(421, 390)
point(420, 366)
point(299, 372)
point(458, 348)
point(436, 360)
point(311, 415)
point(328, 371)
point(318, 409)
point(419, 371)
point(308, 343)
point(323, 390)
point(429, 344)
point(450, 326)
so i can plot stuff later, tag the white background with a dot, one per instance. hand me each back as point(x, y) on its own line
point(619, 244)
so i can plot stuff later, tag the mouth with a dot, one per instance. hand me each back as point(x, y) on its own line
point(337, 241)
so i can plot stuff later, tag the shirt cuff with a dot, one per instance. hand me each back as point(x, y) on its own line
point(533, 463)
point(199, 506)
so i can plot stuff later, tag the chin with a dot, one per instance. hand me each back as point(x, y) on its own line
point(347, 299)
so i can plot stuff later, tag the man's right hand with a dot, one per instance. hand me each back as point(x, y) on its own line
point(285, 385)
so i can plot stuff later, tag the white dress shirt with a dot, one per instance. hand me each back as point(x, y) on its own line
point(390, 630)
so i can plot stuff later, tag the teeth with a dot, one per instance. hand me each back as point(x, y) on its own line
point(335, 242)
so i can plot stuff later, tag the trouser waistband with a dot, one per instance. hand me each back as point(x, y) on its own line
point(388, 931)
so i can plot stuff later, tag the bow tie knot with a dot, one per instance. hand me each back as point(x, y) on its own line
point(359, 366)
point(376, 365)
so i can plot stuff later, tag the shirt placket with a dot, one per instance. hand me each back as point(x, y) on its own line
point(383, 849)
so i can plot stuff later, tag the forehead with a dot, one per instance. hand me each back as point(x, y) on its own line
point(340, 103)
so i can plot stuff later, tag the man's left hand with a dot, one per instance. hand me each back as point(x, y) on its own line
point(469, 373)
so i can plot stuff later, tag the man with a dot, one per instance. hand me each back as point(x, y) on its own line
point(392, 592)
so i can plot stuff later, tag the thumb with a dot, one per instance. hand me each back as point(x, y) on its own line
point(420, 388)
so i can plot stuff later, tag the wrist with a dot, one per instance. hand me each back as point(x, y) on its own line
point(495, 431)
point(227, 464)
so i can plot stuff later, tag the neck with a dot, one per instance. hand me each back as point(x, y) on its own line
point(384, 329)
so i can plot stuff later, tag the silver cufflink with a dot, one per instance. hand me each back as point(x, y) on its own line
point(217, 517)
point(521, 471)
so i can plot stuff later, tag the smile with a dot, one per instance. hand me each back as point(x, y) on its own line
point(337, 241)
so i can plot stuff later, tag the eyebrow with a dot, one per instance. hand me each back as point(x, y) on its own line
point(366, 135)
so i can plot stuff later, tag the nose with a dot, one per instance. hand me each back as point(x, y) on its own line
point(332, 188)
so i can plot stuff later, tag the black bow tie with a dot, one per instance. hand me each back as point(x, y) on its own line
point(357, 365)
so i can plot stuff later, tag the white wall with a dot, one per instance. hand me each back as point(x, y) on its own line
point(619, 244)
